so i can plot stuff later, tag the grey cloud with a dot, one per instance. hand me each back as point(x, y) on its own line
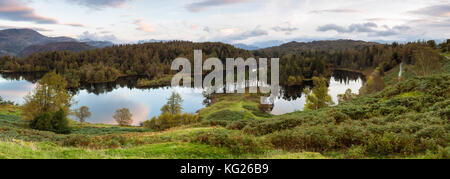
point(99, 4)
point(248, 34)
point(330, 27)
point(204, 5)
point(207, 29)
point(96, 37)
point(437, 10)
point(75, 25)
point(287, 30)
point(33, 28)
point(336, 11)
point(366, 27)
point(17, 11)
point(369, 28)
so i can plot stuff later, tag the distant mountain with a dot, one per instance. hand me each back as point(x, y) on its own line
point(97, 44)
point(55, 46)
point(267, 44)
point(13, 41)
point(246, 47)
point(326, 45)
point(23, 42)
point(152, 41)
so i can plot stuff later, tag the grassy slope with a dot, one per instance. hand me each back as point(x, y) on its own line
point(19, 142)
point(107, 141)
point(245, 104)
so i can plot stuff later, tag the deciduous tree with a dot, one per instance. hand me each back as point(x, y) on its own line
point(50, 95)
point(83, 113)
point(123, 117)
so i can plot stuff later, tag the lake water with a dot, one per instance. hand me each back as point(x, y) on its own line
point(104, 99)
point(293, 99)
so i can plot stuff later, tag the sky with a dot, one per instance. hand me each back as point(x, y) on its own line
point(231, 21)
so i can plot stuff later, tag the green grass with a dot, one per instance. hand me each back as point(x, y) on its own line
point(173, 150)
point(244, 106)
point(17, 141)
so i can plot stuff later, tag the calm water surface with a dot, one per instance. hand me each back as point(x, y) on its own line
point(293, 99)
point(104, 99)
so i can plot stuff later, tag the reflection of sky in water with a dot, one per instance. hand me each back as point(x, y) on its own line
point(283, 106)
point(15, 90)
point(147, 103)
point(143, 104)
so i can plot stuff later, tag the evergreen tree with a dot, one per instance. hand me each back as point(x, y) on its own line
point(173, 105)
point(318, 98)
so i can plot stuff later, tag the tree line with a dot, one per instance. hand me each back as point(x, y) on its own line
point(153, 60)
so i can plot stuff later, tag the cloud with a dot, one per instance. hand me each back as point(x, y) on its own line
point(17, 11)
point(142, 26)
point(336, 11)
point(96, 37)
point(204, 5)
point(286, 30)
point(248, 34)
point(75, 25)
point(366, 27)
point(370, 28)
point(33, 28)
point(100, 4)
point(437, 11)
point(207, 29)
point(377, 19)
point(228, 31)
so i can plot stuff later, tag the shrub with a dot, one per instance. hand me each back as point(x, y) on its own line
point(4, 103)
point(314, 138)
point(100, 142)
point(391, 143)
point(167, 120)
point(237, 125)
point(236, 141)
point(55, 122)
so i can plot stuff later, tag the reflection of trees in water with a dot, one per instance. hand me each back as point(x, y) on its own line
point(102, 88)
point(295, 92)
point(286, 93)
point(346, 76)
point(31, 77)
point(291, 93)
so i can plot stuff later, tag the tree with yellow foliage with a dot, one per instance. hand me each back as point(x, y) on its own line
point(49, 96)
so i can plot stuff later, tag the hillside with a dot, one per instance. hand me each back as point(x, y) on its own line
point(406, 120)
point(98, 141)
point(13, 41)
point(150, 60)
point(55, 46)
point(321, 46)
point(23, 42)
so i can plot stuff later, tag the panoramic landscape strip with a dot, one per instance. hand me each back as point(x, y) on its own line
point(241, 79)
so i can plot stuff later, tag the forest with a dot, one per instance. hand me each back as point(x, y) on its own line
point(152, 61)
